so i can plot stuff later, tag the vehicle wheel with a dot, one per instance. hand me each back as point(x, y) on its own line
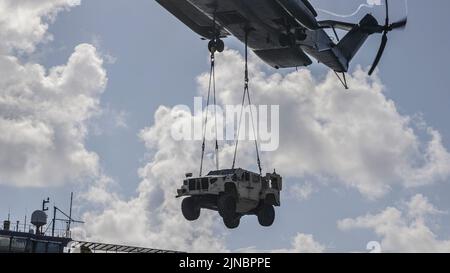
point(266, 215)
point(190, 209)
point(233, 222)
point(227, 205)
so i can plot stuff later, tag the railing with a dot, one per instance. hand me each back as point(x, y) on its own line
point(47, 229)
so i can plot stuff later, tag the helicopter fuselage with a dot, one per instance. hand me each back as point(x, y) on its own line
point(281, 32)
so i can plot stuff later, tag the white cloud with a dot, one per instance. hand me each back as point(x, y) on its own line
point(301, 191)
point(24, 23)
point(43, 117)
point(44, 112)
point(120, 119)
point(419, 207)
point(301, 243)
point(402, 231)
point(108, 121)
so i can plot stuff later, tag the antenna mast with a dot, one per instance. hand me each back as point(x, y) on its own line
point(70, 212)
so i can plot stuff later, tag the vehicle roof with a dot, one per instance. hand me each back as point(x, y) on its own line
point(228, 171)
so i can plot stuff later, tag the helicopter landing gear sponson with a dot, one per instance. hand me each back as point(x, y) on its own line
point(285, 40)
point(300, 35)
point(290, 39)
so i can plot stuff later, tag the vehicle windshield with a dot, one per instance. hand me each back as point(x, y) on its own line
point(222, 172)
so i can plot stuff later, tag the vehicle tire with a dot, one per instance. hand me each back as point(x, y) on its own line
point(266, 215)
point(227, 205)
point(233, 222)
point(190, 209)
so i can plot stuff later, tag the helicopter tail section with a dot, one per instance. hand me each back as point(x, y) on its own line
point(355, 38)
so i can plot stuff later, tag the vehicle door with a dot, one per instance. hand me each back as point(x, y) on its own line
point(255, 187)
point(244, 184)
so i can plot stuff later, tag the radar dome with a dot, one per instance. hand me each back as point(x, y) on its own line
point(39, 218)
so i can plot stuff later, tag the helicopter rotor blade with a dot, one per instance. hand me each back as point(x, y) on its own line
point(387, 12)
point(399, 25)
point(384, 40)
point(383, 44)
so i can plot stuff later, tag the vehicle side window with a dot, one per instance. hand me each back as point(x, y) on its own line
point(204, 183)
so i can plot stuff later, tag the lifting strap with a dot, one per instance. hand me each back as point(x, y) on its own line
point(246, 95)
point(211, 87)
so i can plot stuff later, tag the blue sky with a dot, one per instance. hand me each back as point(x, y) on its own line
point(156, 61)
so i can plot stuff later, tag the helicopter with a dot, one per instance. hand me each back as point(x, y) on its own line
point(283, 33)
